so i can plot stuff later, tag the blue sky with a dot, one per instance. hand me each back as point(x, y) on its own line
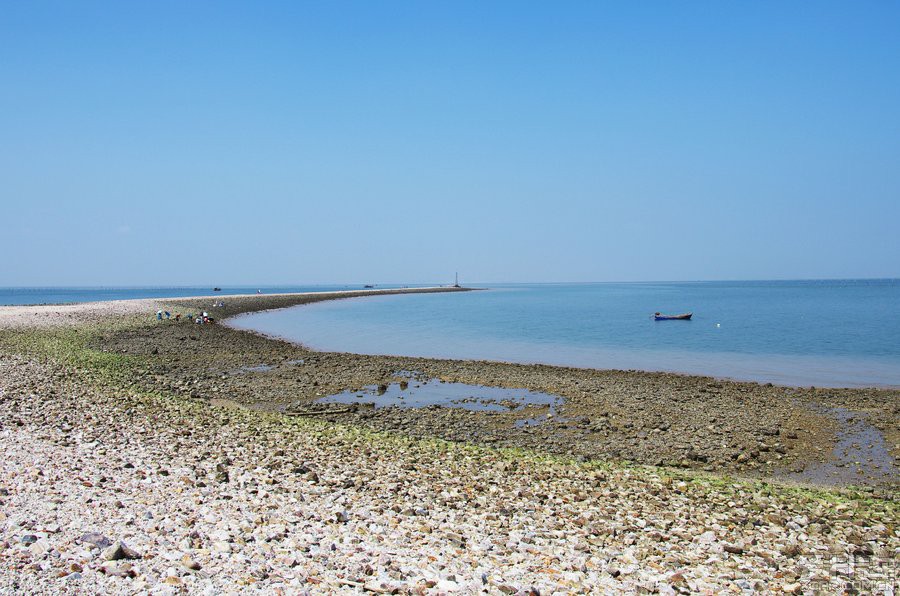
point(301, 142)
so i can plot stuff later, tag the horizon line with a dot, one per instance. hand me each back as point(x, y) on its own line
point(393, 283)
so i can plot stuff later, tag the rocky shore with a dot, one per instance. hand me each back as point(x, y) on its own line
point(144, 455)
point(650, 418)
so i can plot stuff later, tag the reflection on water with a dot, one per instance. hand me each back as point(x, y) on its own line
point(417, 393)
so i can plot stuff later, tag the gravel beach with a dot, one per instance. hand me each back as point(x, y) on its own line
point(162, 457)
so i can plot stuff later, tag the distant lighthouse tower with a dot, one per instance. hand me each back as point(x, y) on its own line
point(456, 283)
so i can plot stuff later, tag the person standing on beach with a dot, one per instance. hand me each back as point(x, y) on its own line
point(159, 315)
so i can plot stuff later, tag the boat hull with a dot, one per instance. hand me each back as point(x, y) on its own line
point(684, 317)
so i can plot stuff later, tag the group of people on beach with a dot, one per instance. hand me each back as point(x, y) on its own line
point(200, 319)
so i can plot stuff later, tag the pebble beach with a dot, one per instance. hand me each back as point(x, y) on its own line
point(136, 460)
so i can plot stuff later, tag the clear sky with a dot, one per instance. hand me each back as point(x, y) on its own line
point(157, 143)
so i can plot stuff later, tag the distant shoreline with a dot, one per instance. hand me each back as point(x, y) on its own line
point(252, 303)
point(21, 315)
point(211, 293)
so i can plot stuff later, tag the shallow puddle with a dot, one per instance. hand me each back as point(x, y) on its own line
point(417, 393)
point(861, 455)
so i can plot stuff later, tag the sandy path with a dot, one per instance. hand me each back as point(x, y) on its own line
point(47, 315)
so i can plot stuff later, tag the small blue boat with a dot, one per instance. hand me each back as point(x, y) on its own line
point(661, 317)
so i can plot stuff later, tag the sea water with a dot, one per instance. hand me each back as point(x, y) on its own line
point(826, 333)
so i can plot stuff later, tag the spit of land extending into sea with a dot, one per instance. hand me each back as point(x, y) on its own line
point(162, 456)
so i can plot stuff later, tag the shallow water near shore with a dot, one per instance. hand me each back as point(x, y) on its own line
point(837, 333)
point(424, 393)
point(860, 455)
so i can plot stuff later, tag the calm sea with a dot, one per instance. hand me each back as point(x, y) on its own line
point(823, 333)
